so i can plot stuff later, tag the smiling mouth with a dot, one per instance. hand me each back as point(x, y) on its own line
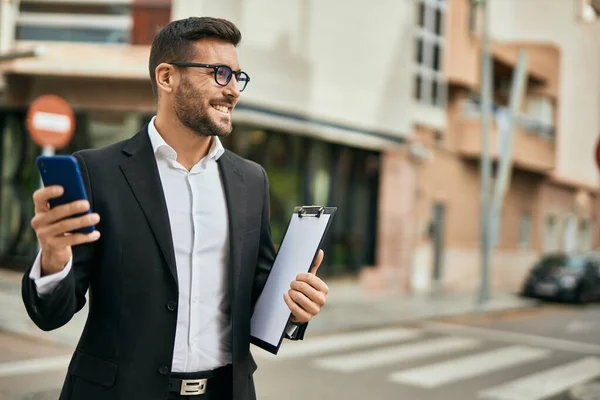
point(222, 109)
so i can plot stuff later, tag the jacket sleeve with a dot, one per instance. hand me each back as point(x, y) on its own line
point(55, 309)
point(266, 256)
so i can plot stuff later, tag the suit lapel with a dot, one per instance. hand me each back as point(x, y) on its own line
point(235, 194)
point(141, 172)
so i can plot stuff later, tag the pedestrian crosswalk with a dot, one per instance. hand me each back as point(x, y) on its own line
point(546, 383)
point(430, 359)
point(388, 356)
point(469, 367)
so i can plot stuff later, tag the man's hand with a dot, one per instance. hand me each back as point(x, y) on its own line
point(52, 227)
point(307, 294)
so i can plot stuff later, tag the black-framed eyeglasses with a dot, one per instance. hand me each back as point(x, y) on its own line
point(223, 73)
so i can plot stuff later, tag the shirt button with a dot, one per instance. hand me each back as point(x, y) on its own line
point(164, 370)
point(171, 306)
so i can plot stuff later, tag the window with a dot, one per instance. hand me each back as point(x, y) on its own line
point(430, 85)
point(72, 34)
point(585, 235)
point(473, 16)
point(539, 116)
point(94, 22)
point(541, 108)
point(570, 234)
point(303, 170)
point(525, 230)
point(551, 237)
point(438, 136)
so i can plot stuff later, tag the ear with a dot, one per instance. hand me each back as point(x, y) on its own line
point(166, 77)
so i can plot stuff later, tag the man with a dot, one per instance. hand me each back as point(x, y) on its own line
point(182, 247)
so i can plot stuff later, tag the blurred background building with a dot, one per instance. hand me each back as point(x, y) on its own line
point(374, 110)
point(550, 203)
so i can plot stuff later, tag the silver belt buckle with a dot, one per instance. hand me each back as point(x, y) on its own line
point(193, 387)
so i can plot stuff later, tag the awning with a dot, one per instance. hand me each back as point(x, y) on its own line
point(264, 117)
point(64, 60)
point(89, 60)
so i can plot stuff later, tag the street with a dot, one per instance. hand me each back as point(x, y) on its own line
point(31, 368)
point(534, 353)
point(531, 354)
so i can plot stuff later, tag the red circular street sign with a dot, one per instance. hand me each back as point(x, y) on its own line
point(51, 121)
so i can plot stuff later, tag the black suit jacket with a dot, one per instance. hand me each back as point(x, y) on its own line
point(126, 348)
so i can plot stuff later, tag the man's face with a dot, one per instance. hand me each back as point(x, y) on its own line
point(200, 103)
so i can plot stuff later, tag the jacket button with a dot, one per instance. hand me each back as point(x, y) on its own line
point(164, 370)
point(172, 306)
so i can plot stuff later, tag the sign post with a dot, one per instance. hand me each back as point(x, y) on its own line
point(51, 124)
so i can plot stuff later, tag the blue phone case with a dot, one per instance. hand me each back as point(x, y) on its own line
point(64, 171)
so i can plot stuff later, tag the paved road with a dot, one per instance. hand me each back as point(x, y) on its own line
point(30, 368)
point(527, 355)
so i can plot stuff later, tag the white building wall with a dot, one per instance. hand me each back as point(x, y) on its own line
point(556, 21)
point(345, 62)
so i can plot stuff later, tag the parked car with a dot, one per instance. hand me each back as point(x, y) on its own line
point(565, 277)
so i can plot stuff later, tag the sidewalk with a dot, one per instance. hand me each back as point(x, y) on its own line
point(348, 307)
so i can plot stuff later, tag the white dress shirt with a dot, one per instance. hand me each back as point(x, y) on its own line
point(199, 224)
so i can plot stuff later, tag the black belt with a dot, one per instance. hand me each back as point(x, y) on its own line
point(199, 383)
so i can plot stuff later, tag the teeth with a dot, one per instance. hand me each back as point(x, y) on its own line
point(223, 109)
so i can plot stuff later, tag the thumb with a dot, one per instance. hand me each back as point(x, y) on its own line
point(317, 262)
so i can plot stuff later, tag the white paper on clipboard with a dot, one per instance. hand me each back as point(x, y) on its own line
point(296, 253)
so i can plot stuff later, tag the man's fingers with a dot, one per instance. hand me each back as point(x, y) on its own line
point(310, 292)
point(41, 197)
point(61, 242)
point(299, 313)
point(76, 239)
point(69, 209)
point(46, 230)
point(62, 212)
point(313, 281)
point(72, 224)
point(304, 302)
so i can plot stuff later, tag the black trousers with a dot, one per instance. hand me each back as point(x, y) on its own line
point(219, 386)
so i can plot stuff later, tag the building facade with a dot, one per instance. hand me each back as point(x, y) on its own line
point(321, 114)
point(374, 110)
point(552, 199)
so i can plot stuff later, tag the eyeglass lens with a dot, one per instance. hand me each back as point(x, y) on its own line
point(224, 74)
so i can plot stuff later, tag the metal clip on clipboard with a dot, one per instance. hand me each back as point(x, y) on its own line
point(310, 211)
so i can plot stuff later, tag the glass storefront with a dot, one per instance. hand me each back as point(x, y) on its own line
point(306, 171)
point(301, 171)
point(19, 179)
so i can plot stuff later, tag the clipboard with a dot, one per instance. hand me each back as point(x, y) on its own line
point(301, 242)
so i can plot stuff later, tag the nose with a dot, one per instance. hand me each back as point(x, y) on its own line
point(231, 90)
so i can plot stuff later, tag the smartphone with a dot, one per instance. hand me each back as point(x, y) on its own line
point(63, 170)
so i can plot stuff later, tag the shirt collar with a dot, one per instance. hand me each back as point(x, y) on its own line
point(159, 146)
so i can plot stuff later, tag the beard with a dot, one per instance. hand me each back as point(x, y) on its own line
point(194, 112)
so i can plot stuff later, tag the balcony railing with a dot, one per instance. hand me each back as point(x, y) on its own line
point(528, 123)
point(534, 147)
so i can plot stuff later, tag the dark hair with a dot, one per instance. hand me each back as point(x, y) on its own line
point(176, 40)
